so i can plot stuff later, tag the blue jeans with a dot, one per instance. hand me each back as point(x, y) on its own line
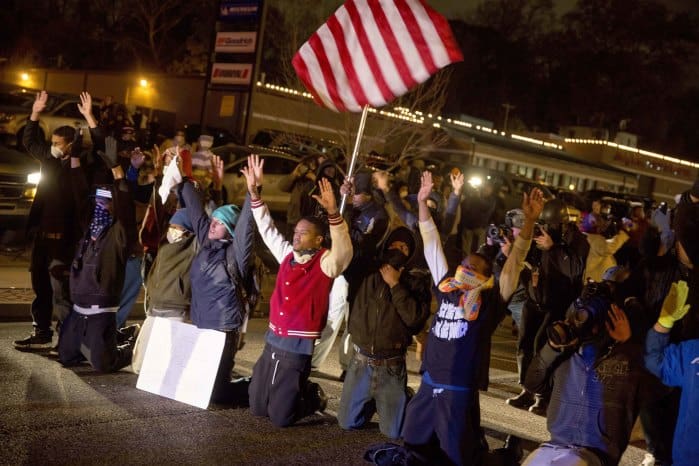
point(129, 293)
point(374, 388)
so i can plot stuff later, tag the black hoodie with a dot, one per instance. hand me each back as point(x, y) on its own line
point(383, 320)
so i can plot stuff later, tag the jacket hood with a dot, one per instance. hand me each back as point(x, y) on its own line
point(404, 234)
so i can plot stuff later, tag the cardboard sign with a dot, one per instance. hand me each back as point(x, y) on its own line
point(181, 362)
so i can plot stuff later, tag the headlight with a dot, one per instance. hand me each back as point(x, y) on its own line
point(475, 181)
point(34, 178)
point(6, 118)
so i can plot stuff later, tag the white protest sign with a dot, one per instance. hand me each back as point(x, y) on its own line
point(181, 362)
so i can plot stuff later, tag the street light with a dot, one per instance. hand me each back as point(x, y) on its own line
point(24, 76)
point(143, 82)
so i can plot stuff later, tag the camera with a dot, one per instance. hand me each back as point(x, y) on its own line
point(587, 312)
point(538, 230)
point(499, 234)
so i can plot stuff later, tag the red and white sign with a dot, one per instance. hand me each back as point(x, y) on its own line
point(235, 42)
point(239, 74)
point(372, 51)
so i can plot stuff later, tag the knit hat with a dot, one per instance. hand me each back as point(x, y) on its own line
point(228, 215)
point(362, 182)
point(181, 218)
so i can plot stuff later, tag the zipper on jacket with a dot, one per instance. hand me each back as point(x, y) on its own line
point(376, 322)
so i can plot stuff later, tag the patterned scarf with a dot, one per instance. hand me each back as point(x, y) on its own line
point(471, 284)
point(101, 218)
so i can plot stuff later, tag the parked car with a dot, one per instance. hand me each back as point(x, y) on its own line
point(19, 176)
point(61, 110)
point(277, 164)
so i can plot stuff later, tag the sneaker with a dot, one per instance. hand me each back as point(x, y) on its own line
point(322, 398)
point(522, 401)
point(33, 342)
point(54, 352)
point(648, 460)
point(539, 407)
point(128, 334)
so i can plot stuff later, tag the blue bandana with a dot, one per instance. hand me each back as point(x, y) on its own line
point(101, 218)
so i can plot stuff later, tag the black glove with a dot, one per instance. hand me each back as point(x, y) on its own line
point(110, 152)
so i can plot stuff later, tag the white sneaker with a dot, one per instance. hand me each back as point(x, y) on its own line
point(648, 460)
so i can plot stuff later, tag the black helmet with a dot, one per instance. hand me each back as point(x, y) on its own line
point(555, 213)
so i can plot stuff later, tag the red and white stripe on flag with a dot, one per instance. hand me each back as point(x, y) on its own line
point(372, 51)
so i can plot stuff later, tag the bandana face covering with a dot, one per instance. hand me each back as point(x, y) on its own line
point(101, 218)
point(471, 284)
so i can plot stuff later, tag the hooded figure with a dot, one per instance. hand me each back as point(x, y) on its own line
point(391, 306)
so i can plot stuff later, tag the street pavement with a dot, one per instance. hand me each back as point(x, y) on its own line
point(54, 415)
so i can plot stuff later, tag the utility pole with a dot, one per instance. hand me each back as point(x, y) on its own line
point(507, 108)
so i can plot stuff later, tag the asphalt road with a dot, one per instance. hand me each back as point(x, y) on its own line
point(53, 415)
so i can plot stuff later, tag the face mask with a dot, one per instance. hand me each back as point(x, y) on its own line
point(56, 152)
point(174, 235)
point(179, 140)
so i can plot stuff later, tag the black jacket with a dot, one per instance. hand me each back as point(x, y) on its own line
point(53, 209)
point(97, 272)
point(383, 320)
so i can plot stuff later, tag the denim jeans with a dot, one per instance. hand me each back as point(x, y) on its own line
point(129, 293)
point(371, 388)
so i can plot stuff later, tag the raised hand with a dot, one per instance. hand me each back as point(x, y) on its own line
point(457, 182)
point(110, 152)
point(40, 102)
point(533, 204)
point(253, 173)
point(618, 325)
point(425, 186)
point(326, 199)
point(674, 306)
point(217, 171)
point(85, 105)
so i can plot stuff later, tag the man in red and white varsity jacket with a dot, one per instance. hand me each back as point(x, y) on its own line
point(299, 306)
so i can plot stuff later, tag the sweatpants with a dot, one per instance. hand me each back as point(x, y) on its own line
point(92, 337)
point(280, 389)
point(439, 426)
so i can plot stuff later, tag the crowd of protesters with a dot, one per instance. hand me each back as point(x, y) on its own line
point(605, 309)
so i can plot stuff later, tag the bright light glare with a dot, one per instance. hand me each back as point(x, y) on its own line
point(25, 76)
point(475, 181)
point(34, 178)
point(143, 82)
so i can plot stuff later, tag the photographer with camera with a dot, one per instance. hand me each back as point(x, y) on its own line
point(553, 286)
point(597, 381)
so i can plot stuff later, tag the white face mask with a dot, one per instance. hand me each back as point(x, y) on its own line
point(174, 235)
point(56, 152)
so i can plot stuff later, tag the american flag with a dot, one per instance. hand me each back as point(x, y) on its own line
point(372, 51)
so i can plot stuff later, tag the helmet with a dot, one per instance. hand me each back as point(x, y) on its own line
point(555, 213)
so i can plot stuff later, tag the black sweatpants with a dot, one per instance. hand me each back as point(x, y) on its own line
point(92, 337)
point(280, 388)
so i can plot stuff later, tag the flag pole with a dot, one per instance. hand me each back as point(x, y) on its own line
point(355, 152)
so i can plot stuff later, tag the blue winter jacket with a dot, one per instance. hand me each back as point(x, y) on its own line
point(678, 366)
point(216, 300)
